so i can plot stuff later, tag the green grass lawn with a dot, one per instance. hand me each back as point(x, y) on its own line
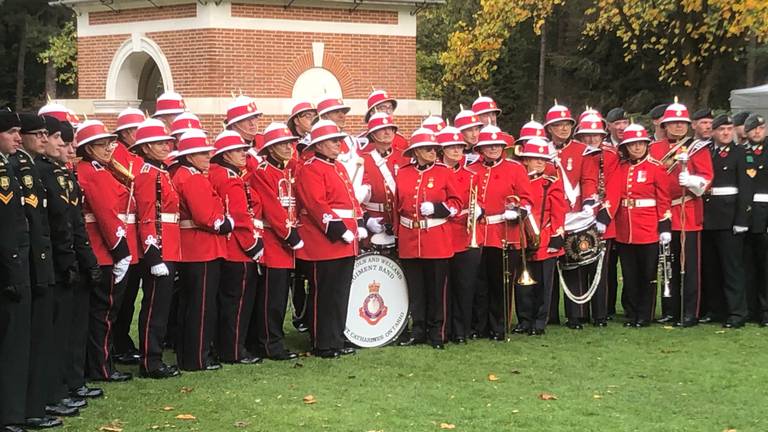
point(612, 379)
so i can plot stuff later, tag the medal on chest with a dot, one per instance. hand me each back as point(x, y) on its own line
point(569, 164)
point(641, 176)
point(430, 183)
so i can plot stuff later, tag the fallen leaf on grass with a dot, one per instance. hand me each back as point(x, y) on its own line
point(667, 327)
point(167, 408)
point(447, 426)
point(186, 390)
point(186, 417)
point(515, 411)
point(547, 396)
point(111, 429)
point(721, 332)
point(597, 396)
point(241, 424)
point(492, 377)
point(729, 430)
point(309, 399)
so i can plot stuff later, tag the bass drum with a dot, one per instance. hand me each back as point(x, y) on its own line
point(378, 301)
point(582, 241)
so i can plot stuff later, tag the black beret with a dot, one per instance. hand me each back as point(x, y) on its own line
point(67, 132)
point(658, 111)
point(31, 122)
point(702, 113)
point(740, 117)
point(9, 120)
point(753, 121)
point(52, 124)
point(720, 120)
point(615, 114)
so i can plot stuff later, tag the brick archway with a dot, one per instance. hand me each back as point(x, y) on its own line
point(306, 61)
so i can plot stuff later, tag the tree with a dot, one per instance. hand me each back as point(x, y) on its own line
point(61, 57)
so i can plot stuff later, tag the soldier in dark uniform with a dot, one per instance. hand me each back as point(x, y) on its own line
point(739, 137)
point(14, 283)
point(726, 219)
point(701, 123)
point(756, 240)
point(34, 137)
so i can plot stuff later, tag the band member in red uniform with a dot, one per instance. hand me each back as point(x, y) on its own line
point(469, 125)
point(486, 109)
point(382, 165)
point(274, 181)
point(300, 123)
point(243, 117)
point(245, 247)
point(157, 207)
point(689, 171)
point(330, 223)
point(185, 122)
point(435, 123)
point(426, 200)
point(169, 105)
point(108, 207)
point(548, 211)
point(381, 102)
point(204, 224)
point(578, 168)
point(504, 194)
point(638, 197)
point(466, 237)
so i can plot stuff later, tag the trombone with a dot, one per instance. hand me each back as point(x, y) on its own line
point(472, 216)
point(525, 278)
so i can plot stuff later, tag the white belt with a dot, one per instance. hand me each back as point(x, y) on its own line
point(638, 203)
point(171, 218)
point(129, 218)
point(760, 197)
point(494, 219)
point(258, 223)
point(344, 213)
point(372, 206)
point(187, 224)
point(725, 190)
point(422, 223)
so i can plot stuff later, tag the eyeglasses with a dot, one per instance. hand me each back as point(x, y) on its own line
point(108, 144)
point(429, 149)
point(307, 115)
point(160, 143)
point(387, 107)
point(38, 134)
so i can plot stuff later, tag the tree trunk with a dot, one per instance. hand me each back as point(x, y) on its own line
point(542, 70)
point(50, 80)
point(708, 83)
point(751, 61)
point(20, 66)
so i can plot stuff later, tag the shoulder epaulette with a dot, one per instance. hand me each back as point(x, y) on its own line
point(97, 166)
point(262, 165)
point(591, 151)
point(653, 161)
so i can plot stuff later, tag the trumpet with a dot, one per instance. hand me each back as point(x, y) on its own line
point(472, 216)
point(525, 278)
point(664, 269)
point(287, 200)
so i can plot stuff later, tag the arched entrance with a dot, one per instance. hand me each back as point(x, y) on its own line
point(315, 83)
point(139, 73)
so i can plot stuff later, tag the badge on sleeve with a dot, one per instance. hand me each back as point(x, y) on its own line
point(27, 181)
point(5, 182)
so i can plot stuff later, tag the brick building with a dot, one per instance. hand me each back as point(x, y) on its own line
point(278, 51)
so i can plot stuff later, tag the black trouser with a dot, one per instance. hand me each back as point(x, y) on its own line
point(600, 305)
point(153, 316)
point(105, 304)
point(271, 303)
point(578, 281)
point(756, 266)
point(464, 267)
point(197, 313)
point(691, 291)
point(39, 384)
point(74, 373)
point(14, 353)
point(58, 361)
point(480, 302)
point(237, 295)
point(492, 266)
point(611, 267)
point(723, 275)
point(329, 285)
point(299, 283)
point(122, 328)
point(638, 266)
point(532, 301)
point(427, 280)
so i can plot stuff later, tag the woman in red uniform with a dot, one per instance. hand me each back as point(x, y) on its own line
point(108, 208)
point(548, 211)
point(426, 200)
point(157, 206)
point(204, 224)
point(639, 198)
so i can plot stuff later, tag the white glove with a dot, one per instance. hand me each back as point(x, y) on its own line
point(684, 179)
point(120, 268)
point(348, 236)
point(299, 245)
point(362, 233)
point(374, 225)
point(363, 193)
point(159, 270)
point(600, 227)
point(511, 215)
point(740, 229)
point(427, 208)
point(665, 238)
point(478, 211)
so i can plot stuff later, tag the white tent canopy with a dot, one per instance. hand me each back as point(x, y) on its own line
point(753, 99)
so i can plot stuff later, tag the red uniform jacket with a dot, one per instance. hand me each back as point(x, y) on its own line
point(164, 245)
point(610, 164)
point(699, 164)
point(380, 173)
point(202, 211)
point(548, 210)
point(108, 216)
point(325, 195)
point(420, 236)
point(130, 161)
point(244, 207)
point(581, 172)
point(268, 179)
point(501, 183)
point(638, 197)
point(399, 143)
point(464, 177)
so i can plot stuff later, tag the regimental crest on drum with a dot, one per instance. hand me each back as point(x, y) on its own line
point(373, 309)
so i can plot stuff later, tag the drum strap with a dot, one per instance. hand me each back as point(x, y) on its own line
point(583, 299)
point(381, 163)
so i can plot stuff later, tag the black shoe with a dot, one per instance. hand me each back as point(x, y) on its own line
point(164, 371)
point(574, 325)
point(116, 376)
point(411, 341)
point(521, 329)
point(687, 322)
point(666, 319)
point(536, 332)
point(459, 340)
point(764, 323)
point(498, 337)
point(74, 402)
point(601, 323)
point(12, 428)
point(128, 358)
point(733, 324)
point(60, 410)
point(42, 422)
point(300, 327)
point(438, 345)
point(212, 366)
point(706, 319)
point(247, 360)
point(347, 351)
point(285, 355)
point(87, 392)
point(610, 317)
point(629, 324)
point(474, 335)
point(642, 323)
point(327, 354)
